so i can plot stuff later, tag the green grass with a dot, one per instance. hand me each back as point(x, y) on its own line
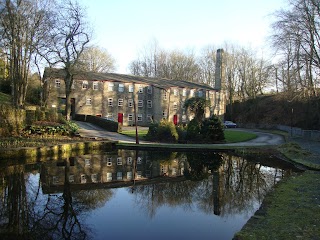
point(291, 211)
point(132, 133)
point(233, 136)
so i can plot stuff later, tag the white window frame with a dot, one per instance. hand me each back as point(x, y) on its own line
point(129, 160)
point(130, 102)
point(120, 102)
point(175, 92)
point(149, 90)
point(130, 117)
point(121, 87)
point(119, 175)
point(165, 94)
point(192, 93)
point(110, 86)
point(175, 106)
point(184, 92)
point(57, 83)
point(95, 85)
point(119, 161)
point(131, 88)
point(140, 89)
point(149, 117)
point(88, 101)
point(109, 161)
point(140, 103)
point(85, 84)
point(184, 118)
point(110, 102)
point(139, 117)
point(164, 114)
point(149, 103)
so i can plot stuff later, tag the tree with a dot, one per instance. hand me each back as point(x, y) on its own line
point(96, 59)
point(22, 30)
point(197, 106)
point(68, 37)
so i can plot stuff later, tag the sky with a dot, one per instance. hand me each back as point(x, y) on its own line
point(125, 27)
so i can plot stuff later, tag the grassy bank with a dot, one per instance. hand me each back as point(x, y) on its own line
point(291, 211)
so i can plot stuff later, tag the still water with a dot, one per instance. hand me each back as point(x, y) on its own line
point(129, 194)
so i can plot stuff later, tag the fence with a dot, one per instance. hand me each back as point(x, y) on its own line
point(313, 135)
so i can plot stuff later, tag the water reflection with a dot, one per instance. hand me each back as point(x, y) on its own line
point(56, 204)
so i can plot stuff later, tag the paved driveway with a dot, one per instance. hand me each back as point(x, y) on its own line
point(92, 131)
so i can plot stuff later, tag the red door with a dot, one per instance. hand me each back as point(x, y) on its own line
point(175, 119)
point(120, 118)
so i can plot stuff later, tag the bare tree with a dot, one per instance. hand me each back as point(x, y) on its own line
point(96, 59)
point(69, 35)
point(22, 30)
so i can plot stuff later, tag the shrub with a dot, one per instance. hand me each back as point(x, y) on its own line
point(164, 131)
point(193, 130)
point(212, 130)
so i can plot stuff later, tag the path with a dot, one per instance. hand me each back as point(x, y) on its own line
point(89, 130)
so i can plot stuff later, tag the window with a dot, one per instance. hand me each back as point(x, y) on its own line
point(119, 161)
point(85, 84)
point(110, 102)
point(175, 92)
point(87, 162)
point(94, 178)
point(140, 90)
point(121, 87)
point(184, 118)
point(191, 93)
point(184, 92)
point(164, 114)
point(149, 90)
point(139, 117)
point(120, 102)
point(88, 101)
point(139, 160)
point(57, 83)
point(110, 87)
point(175, 106)
point(129, 175)
point(130, 117)
point(200, 93)
point(109, 116)
point(109, 161)
point(71, 178)
point(119, 175)
point(129, 160)
point(164, 94)
point(140, 103)
point(83, 178)
point(95, 85)
point(149, 103)
point(130, 88)
point(109, 176)
point(149, 117)
point(130, 102)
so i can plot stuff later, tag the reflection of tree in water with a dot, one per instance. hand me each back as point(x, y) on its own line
point(153, 196)
point(27, 214)
point(220, 184)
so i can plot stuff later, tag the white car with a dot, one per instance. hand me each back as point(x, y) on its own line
point(229, 124)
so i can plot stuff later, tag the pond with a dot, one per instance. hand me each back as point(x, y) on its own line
point(125, 194)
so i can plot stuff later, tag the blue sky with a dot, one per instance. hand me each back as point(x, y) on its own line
point(124, 27)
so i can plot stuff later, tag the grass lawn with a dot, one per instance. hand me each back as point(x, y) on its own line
point(132, 133)
point(231, 136)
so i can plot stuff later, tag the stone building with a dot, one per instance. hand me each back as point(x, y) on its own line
point(114, 96)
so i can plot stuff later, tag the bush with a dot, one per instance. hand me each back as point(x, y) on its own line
point(193, 130)
point(212, 130)
point(164, 132)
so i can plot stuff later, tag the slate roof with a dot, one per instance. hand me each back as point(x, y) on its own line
point(163, 83)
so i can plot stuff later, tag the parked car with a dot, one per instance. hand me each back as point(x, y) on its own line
point(229, 124)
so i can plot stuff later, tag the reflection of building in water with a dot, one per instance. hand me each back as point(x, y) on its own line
point(116, 166)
